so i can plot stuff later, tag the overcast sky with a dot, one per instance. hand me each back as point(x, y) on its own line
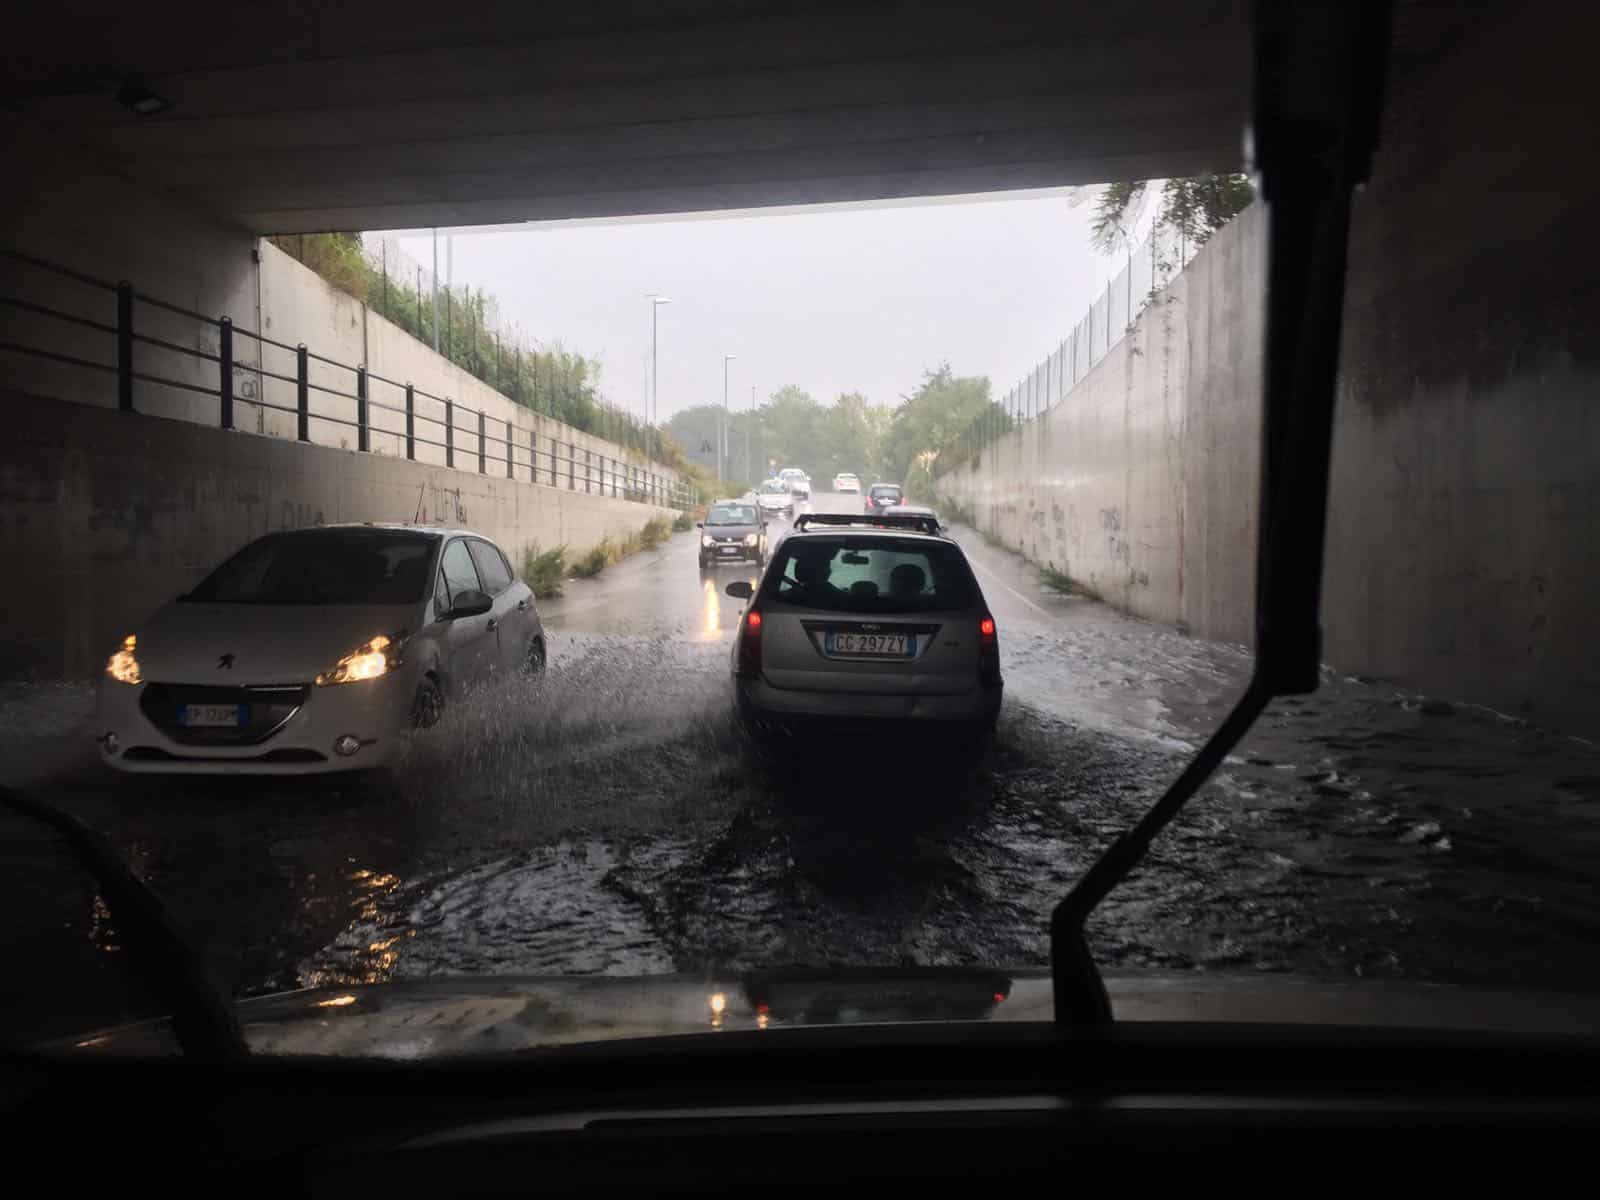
point(832, 300)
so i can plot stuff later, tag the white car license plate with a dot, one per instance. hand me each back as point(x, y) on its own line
point(211, 716)
point(871, 645)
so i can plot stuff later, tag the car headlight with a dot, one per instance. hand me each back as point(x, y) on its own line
point(749, 539)
point(377, 657)
point(707, 540)
point(123, 666)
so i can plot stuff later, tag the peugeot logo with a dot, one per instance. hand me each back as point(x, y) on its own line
point(225, 662)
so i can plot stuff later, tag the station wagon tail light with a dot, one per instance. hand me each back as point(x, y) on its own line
point(369, 661)
point(988, 651)
point(750, 646)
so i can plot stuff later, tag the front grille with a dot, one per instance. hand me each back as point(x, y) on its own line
point(156, 754)
point(266, 710)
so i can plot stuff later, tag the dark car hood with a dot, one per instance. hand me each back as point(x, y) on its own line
point(731, 531)
point(447, 1017)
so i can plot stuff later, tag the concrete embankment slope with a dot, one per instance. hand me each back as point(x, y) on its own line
point(1463, 553)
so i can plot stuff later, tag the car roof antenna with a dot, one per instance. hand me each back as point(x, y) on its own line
point(202, 1020)
point(1319, 73)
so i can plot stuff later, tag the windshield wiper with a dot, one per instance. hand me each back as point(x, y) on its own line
point(1319, 73)
point(202, 1021)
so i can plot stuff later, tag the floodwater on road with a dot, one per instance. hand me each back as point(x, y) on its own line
point(610, 818)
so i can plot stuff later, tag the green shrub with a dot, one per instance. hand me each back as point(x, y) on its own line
point(1061, 582)
point(656, 531)
point(544, 570)
point(596, 560)
point(683, 522)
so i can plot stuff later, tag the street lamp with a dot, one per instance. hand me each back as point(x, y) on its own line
point(656, 301)
point(722, 436)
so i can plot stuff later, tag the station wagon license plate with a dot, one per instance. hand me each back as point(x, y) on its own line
point(211, 716)
point(870, 645)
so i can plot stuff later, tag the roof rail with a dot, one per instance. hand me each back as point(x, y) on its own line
point(917, 524)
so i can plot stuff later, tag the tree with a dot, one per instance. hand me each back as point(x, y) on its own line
point(937, 417)
point(1193, 208)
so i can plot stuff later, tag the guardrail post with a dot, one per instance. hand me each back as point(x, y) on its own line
point(449, 432)
point(411, 422)
point(302, 393)
point(533, 456)
point(572, 467)
point(483, 450)
point(363, 426)
point(511, 454)
point(225, 372)
point(588, 471)
point(125, 346)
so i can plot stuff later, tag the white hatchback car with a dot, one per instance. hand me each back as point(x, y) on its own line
point(845, 482)
point(316, 650)
point(854, 623)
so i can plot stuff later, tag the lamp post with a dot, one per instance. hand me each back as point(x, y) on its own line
point(722, 434)
point(749, 420)
point(653, 411)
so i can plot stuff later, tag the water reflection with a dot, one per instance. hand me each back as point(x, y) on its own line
point(712, 628)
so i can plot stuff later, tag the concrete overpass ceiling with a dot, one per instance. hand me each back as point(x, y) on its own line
point(288, 116)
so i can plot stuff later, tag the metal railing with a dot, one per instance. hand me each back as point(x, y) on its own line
point(418, 418)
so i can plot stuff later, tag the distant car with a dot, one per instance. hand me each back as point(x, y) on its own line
point(882, 496)
point(776, 497)
point(914, 510)
point(733, 531)
point(799, 482)
point(846, 483)
point(316, 650)
point(853, 623)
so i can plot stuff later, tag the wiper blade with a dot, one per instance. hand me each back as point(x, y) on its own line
point(202, 1021)
point(1319, 70)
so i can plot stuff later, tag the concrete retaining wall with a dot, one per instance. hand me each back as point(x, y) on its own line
point(1463, 549)
point(106, 516)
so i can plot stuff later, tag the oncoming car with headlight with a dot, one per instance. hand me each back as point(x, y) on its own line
point(316, 650)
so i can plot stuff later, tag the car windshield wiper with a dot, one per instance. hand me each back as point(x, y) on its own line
point(1319, 72)
point(202, 1021)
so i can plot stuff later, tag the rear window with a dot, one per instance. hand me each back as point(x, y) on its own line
point(881, 490)
point(871, 575)
point(332, 566)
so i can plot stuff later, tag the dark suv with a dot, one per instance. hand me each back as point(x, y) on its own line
point(881, 496)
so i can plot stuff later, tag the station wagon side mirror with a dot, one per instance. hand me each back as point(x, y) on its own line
point(470, 603)
point(740, 589)
point(699, 524)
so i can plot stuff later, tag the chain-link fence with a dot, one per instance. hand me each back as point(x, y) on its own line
point(1147, 269)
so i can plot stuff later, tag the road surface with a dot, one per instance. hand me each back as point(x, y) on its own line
point(612, 819)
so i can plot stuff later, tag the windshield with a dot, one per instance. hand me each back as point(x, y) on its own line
point(322, 567)
point(570, 326)
point(871, 575)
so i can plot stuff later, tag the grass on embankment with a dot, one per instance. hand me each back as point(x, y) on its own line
point(544, 570)
point(654, 534)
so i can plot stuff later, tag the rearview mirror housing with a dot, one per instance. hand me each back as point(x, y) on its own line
point(470, 603)
point(740, 589)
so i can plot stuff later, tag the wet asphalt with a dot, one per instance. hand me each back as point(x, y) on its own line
point(611, 818)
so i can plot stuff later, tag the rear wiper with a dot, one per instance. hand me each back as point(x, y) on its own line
point(202, 1021)
point(1319, 74)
